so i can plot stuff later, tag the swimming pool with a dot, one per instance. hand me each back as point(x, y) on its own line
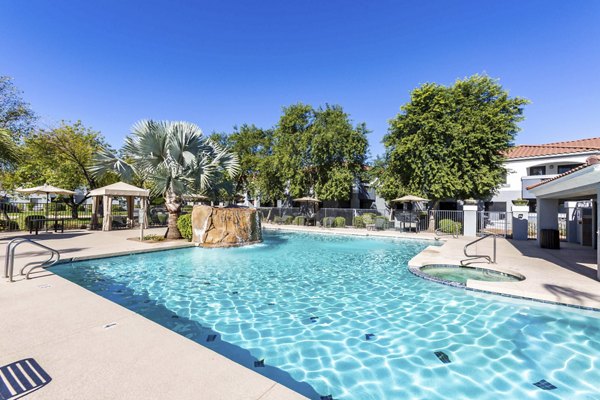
point(343, 316)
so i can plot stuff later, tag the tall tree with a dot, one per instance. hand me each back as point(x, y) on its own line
point(16, 115)
point(450, 141)
point(60, 156)
point(317, 150)
point(10, 154)
point(173, 158)
point(252, 145)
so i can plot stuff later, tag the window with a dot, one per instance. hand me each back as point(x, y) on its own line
point(537, 170)
point(564, 168)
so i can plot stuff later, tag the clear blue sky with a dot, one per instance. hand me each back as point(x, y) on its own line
point(218, 64)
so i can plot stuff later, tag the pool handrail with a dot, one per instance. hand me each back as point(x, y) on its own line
point(472, 257)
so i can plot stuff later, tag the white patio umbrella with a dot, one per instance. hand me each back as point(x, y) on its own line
point(409, 199)
point(48, 190)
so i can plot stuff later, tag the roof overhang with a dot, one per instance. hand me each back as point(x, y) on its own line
point(120, 189)
point(584, 182)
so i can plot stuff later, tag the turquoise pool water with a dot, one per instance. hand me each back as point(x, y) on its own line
point(343, 316)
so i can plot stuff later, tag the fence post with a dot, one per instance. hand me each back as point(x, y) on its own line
point(470, 220)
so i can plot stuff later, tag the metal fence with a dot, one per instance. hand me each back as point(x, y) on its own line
point(416, 221)
point(532, 226)
point(498, 222)
point(23, 217)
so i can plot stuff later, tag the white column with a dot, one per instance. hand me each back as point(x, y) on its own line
point(107, 220)
point(470, 220)
point(520, 222)
point(547, 216)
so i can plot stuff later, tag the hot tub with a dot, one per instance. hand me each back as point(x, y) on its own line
point(460, 274)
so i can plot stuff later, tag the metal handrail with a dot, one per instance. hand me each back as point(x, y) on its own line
point(9, 261)
point(490, 260)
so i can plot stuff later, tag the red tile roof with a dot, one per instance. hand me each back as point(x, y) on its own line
point(588, 163)
point(569, 147)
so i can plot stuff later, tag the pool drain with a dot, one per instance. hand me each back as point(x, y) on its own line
point(443, 357)
point(544, 385)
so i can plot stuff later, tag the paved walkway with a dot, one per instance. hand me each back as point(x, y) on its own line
point(69, 331)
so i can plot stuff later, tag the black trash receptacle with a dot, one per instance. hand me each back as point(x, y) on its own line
point(549, 239)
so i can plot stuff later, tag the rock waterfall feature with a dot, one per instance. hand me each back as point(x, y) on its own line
point(224, 227)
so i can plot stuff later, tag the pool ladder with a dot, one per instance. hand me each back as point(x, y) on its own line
point(473, 257)
point(9, 261)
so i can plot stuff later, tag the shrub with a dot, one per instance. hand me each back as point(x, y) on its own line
point(327, 222)
point(162, 218)
point(381, 222)
point(368, 218)
point(339, 222)
point(299, 220)
point(449, 226)
point(288, 219)
point(116, 208)
point(154, 238)
point(184, 224)
point(358, 222)
point(278, 220)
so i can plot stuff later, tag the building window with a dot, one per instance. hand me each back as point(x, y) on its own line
point(537, 170)
point(565, 168)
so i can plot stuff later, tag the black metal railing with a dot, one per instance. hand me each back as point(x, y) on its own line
point(28, 217)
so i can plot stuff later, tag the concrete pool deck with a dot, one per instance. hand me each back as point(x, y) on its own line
point(68, 330)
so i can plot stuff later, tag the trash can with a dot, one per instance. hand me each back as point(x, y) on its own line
point(549, 239)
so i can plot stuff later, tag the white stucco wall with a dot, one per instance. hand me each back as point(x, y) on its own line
point(519, 168)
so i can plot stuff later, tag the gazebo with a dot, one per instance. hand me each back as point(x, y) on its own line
point(106, 194)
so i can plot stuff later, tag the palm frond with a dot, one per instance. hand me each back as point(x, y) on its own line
point(105, 162)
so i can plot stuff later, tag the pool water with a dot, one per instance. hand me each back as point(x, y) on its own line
point(455, 273)
point(342, 316)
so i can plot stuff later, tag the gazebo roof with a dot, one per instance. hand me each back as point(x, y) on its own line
point(120, 189)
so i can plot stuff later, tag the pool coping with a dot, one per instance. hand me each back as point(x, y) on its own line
point(122, 254)
point(415, 269)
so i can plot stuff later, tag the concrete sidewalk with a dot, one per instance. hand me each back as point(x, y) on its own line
point(95, 349)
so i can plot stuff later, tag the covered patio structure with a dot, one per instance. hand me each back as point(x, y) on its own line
point(579, 186)
point(106, 195)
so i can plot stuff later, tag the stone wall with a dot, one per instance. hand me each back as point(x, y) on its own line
point(223, 227)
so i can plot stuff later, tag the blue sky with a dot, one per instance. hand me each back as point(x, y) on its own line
point(218, 64)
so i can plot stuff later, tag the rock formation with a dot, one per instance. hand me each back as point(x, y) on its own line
point(223, 227)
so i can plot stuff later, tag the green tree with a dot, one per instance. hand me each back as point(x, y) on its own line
point(62, 157)
point(450, 141)
point(317, 150)
point(173, 158)
point(16, 115)
point(253, 146)
point(10, 153)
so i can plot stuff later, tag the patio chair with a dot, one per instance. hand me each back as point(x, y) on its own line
point(21, 378)
point(35, 222)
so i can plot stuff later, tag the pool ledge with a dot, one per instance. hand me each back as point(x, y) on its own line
point(547, 279)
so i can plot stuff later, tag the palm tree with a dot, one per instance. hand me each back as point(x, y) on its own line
point(9, 150)
point(173, 159)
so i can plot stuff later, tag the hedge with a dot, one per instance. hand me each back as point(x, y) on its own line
point(184, 224)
